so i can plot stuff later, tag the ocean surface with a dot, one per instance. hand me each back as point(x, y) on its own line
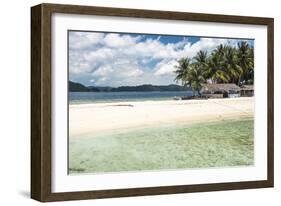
point(103, 97)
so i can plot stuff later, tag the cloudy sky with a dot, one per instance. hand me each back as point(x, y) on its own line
point(112, 59)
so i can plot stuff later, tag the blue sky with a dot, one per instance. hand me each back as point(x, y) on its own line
point(114, 59)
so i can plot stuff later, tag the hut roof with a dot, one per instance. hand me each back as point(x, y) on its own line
point(247, 87)
point(220, 87)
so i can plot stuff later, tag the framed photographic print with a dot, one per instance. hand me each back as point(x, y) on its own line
point(132, 102)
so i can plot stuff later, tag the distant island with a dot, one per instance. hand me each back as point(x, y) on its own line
point(78, 87)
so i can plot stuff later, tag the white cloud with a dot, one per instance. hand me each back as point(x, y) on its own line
point(117, 41)
point(103, 71)
point(100, 55)
point(121, 72)
point(84, 40)
point(165, 67)
point(115, 59)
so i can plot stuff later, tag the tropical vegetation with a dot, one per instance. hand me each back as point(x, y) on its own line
point(225, 64)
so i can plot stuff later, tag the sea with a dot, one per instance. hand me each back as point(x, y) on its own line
point(108, 97)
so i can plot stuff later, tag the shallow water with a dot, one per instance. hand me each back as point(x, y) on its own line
point(202, 145)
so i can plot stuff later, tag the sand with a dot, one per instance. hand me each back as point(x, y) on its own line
point(97, 118)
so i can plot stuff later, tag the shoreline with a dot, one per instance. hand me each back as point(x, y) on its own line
point(163, 126)
point(157, 101)
point(87, 119)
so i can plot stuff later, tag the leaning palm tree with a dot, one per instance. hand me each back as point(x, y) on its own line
point(190, 74)
point(184, 65)
point(195, 78)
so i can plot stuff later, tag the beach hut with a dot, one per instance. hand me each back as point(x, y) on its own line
point(220, 90)
point(247, 91)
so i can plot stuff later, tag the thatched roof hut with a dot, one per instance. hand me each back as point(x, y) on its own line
point(247, 90)
point(247, 87)
point(219, 88)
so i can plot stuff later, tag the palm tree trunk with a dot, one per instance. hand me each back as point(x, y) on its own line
point(239, 79)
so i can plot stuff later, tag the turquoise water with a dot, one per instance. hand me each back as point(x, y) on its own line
point(201, 145)
point(94, 97)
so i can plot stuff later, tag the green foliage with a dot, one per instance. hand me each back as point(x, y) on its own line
point(225, 64)
point(245, 57)
point(77, 87)
point(182, 70)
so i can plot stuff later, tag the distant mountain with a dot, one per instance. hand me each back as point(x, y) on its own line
point(100, 89)
point(77, 87)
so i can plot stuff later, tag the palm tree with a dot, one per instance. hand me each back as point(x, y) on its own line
point(245, 56)
point(184, 64)
point(201, 59)
point(220, 50)
point(250, 74)
point(218, 59)
point(190, 74)
point(216, 72)
point(226, 64)
point(231, 65)
point(195, 78)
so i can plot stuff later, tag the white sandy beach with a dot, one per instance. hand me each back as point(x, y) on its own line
point(102, 117)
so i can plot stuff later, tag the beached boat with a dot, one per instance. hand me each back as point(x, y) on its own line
point(177, 98)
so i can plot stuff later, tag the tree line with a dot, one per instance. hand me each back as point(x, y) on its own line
point(225, 64)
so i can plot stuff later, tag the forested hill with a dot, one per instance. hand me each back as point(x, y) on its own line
point(77, 87)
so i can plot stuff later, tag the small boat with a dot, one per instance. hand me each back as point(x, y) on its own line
point(194, 97)
point(177, 98)
point(188, 97)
